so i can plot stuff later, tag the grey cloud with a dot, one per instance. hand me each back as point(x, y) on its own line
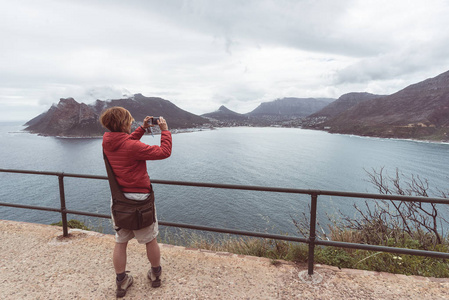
point(402, 62)
point(203, 53)
point(304, 25)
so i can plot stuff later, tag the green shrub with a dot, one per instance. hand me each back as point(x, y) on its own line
point(73, 224)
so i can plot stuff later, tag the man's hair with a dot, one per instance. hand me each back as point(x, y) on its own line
point(116, 119)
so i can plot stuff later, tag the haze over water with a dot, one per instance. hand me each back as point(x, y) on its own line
point(272, 157)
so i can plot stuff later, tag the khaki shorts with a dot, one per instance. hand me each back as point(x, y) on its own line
point(143, 236)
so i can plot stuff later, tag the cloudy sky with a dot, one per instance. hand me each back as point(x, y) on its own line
point(201, 54)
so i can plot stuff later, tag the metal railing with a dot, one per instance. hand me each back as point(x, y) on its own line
point(311, 240)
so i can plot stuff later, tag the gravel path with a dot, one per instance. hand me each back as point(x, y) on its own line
point(36, 262)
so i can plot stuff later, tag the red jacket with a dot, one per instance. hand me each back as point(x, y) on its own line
point(128, 155)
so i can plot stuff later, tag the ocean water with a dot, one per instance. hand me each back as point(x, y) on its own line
point(271, 157)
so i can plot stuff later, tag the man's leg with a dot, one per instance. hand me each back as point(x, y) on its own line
point(153, 253)
point(119, 257)
point(123, 280)
point(154, 256)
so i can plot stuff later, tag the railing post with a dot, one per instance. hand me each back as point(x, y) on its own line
point(63, 208)
point(311, 239)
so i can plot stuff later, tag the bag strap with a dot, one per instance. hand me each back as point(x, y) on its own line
point(117, 194)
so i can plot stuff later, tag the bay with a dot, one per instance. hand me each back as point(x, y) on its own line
point(269, 157)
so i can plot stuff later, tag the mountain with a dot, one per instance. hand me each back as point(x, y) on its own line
point(343, 103)
point(141, 106)
point(280, 112)
point(418, 111)
point(225, 114)
point(70, 118)
point(290, 107)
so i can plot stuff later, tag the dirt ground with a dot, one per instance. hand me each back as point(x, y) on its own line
point(36, 262)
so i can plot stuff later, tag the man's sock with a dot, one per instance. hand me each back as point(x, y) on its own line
point(121, 276)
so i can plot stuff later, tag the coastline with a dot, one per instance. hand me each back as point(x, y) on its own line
point(173, 131)
point(191, 130)
point(380, 137)
point(394, 139)
point(208, 128)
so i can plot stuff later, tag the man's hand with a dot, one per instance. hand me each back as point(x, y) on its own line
point(162, 124)
point(145, 122)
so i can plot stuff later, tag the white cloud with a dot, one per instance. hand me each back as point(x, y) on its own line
point(84, 94)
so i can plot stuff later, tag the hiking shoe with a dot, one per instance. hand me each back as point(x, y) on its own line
point(154, 277)
point(123, 285)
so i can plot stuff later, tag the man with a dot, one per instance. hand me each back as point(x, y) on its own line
point(127, 156)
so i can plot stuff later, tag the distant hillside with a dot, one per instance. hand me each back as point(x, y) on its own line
point(70, 118)
point(418, 111)
point(225, 114)
point(289, 107)
point(343, 103)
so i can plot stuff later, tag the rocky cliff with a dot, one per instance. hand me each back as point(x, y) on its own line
point(67, 118)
